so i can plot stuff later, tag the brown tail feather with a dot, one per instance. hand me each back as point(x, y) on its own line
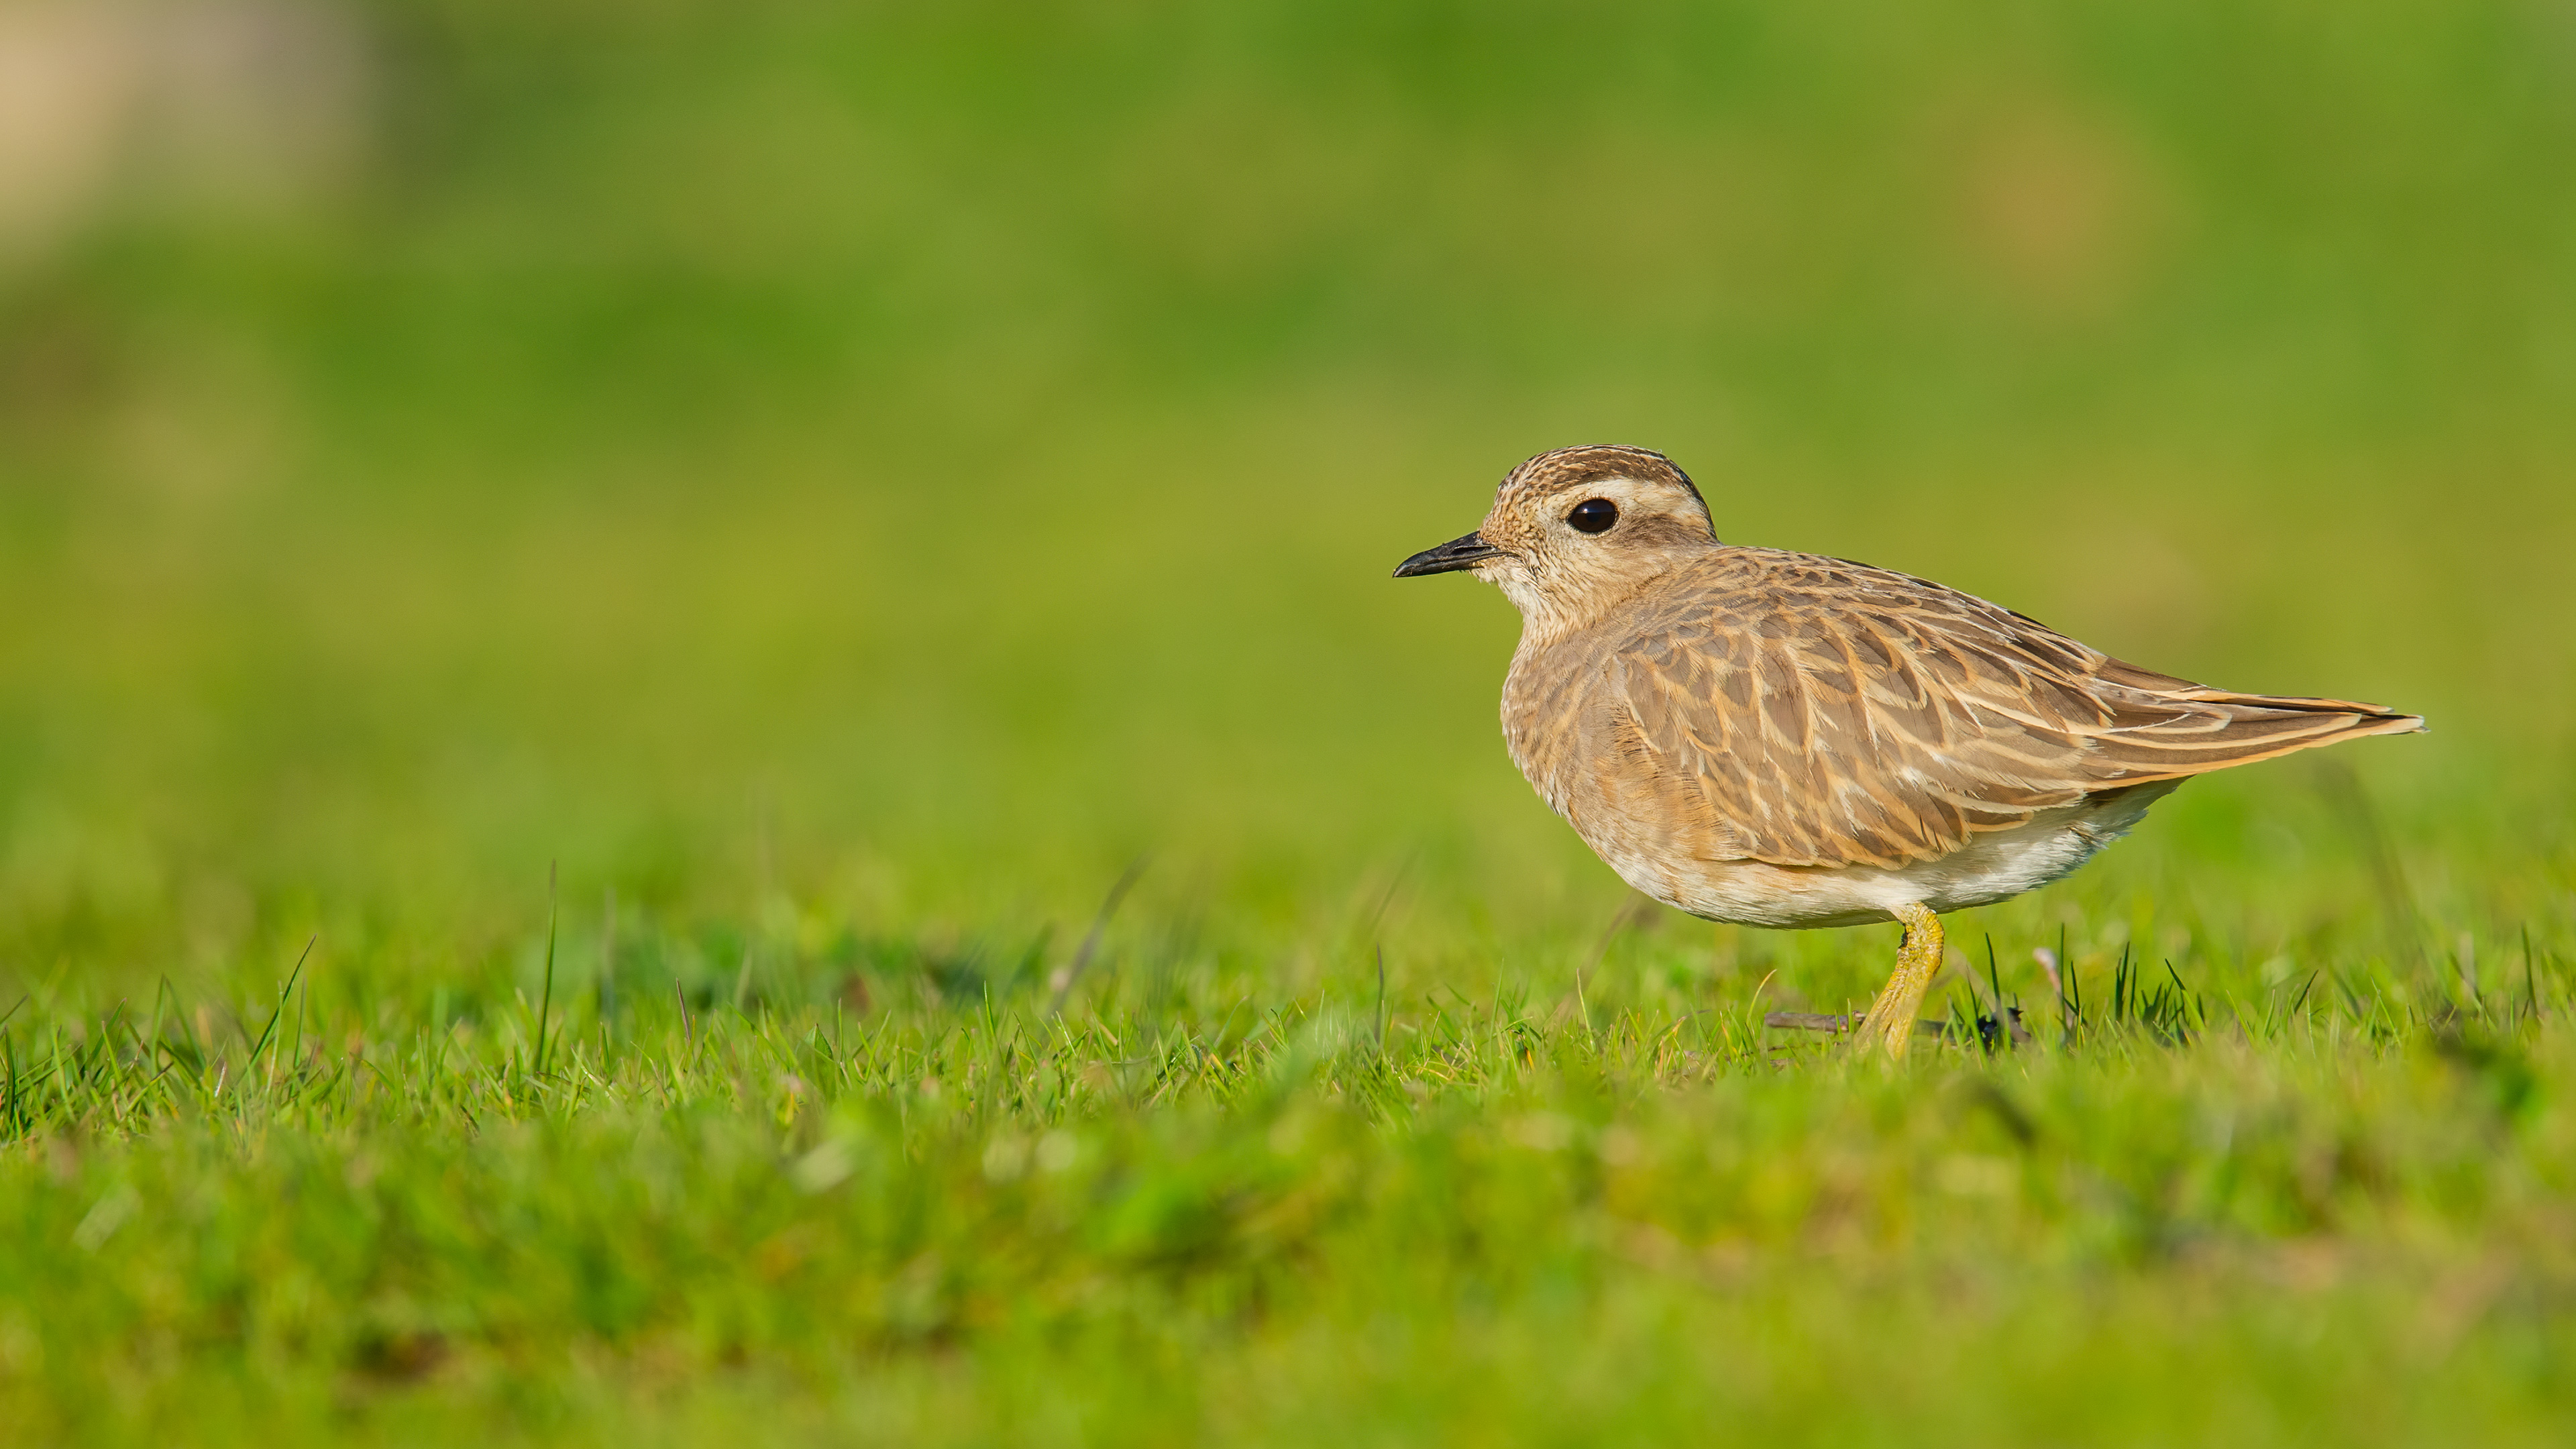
point(2182, 729)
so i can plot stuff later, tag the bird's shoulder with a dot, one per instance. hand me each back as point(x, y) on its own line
point(1734, 604)
point(1761, 589)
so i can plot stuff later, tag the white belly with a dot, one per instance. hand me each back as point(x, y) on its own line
point(1993, 866)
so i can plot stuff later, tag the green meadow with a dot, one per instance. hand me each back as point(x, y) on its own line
point(703, 737)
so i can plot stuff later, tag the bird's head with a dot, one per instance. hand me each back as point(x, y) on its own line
point(1575, 531)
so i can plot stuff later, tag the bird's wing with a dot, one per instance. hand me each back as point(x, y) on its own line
point(1822, 713)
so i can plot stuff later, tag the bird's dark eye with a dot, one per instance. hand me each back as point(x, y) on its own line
point(1593, 515)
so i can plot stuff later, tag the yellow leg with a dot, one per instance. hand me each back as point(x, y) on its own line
point(1891, 1017)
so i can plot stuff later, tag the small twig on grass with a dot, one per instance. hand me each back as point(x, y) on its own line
point(1808, 1021)
point(1818, 1021)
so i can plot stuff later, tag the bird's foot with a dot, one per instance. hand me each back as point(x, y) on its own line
point(1890, 1022)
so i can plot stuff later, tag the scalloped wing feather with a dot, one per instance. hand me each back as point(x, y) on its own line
point(1811, 712)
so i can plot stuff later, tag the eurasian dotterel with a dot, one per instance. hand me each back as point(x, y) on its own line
point(1779, 739)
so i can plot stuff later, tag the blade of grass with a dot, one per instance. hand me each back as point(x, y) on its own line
point(546, 998)
point(269, 1031)
point(1379, 1017)
point(1091, 939)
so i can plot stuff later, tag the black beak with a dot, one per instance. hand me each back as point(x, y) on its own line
point(1448, 558)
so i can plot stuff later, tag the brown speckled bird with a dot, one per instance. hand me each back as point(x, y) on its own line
point(1777, 739)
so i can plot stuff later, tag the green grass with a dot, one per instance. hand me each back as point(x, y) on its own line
point(880, 1191)
point(837, 489)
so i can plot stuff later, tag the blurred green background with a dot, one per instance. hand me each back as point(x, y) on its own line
point(901, 462)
